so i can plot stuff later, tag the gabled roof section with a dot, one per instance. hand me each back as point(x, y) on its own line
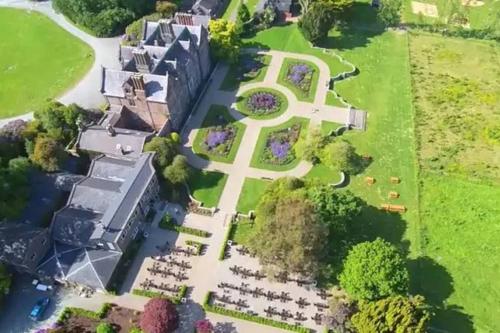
point(15, 241)
point(100, 205)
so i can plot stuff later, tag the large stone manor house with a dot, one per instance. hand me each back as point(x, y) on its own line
point(162, 76)
point(152, 93)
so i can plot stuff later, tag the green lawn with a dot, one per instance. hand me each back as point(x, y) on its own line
point(207, 186)
point(232, 82)
point(332, 100)
point(241, 104)
point(302, 95)
point(328, 126)
point(288, 38)
point(324, 174)
point(241, 232)
point(256, 161)
point(213, 119)
point(250, 194)
point(461, 225)
point(457, 97)
point(39, 60)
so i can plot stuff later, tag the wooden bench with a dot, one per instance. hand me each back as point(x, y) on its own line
point(393, 208)
point(370, 180)
point(395, 180)
point(393, 195)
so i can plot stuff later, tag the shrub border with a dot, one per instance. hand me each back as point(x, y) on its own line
point(74, 311)
point(198, 245)
point(222, 251)
point(155, 294)
point(164, 224)
point(256, 319)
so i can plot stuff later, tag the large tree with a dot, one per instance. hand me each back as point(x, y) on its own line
point(288, 233)
point(373, 270)
point(334, 207)
point(105, 328)
point(224, 40)
point(14, 179)
point(317, 21)
point(341, 155)
point(48, 154)
point(392, 314)
point(165, 148)
point(166, 8)
point(178, 172)
point(159, 316)
point(389, 12)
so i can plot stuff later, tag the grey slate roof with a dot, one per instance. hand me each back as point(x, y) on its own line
point(113, 81)
point(125, 141)
point(100, 205)
point(15, 241)
point(91, 267)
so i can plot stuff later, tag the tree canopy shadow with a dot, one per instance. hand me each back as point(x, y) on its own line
point(358, 26)
point(370, 224)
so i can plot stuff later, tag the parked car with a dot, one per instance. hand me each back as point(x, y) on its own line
point(39, 308)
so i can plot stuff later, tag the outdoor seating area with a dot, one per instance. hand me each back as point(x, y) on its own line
point(284, 297)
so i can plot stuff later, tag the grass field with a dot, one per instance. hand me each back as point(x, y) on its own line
point(212, 119)
point(241, 104)
point(256, 161)
point(460, 232)
point(457, 98)
point(242, 231)
point(42, 62)
point(479, 16)
point(250, 194)
point(232, 6)
point(302, 95)
point(328, 126)
point(231, 81)
point(207, 186)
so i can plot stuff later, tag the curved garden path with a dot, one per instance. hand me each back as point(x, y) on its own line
point(86, 92)
point(240, 168)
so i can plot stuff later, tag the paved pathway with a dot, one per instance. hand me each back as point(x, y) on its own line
point(240, 168)
point(86, 93)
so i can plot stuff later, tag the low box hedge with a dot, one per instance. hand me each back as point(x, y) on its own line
point(167, 222)
point(156, 294)
point(222, 252)
point(197, 245)
point(73, 311)
point(256, 319)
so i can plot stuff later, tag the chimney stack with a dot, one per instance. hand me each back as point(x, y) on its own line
point(166, 31)
point(143, 61)
point(138, 82)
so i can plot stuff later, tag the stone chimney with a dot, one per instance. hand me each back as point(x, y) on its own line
point(166, 31)
point(143, 61)
point(138, 82)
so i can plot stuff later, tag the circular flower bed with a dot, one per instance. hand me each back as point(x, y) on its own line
point(262, 103)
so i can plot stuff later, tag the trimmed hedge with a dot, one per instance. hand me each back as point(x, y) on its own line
point(486, 34)
point(72, 311)
point(155, 294)
point(256, 319)
point(229, 231)
point(197, 245)
point(167, 222)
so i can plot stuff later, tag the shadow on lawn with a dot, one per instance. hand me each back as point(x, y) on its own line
point(431, 280)
point(361, 24)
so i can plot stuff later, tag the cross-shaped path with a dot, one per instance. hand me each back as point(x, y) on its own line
point(237, 171)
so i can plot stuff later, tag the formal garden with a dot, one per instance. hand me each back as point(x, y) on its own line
point(250, 68)
point(262, 103)
point(220, 135)
point(31, 71)
point(301, 77)
point(275, 148)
